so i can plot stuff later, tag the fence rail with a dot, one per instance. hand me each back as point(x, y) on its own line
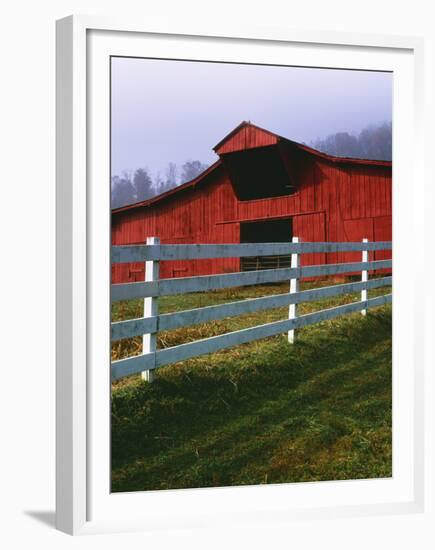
point(205, 283)
point(145, 252)
point(151, 323)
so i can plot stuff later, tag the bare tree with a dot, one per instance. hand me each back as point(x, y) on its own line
point(143, 185)
point(123, 192)
point(171, 175)
point(191, 169)
point(159, 184)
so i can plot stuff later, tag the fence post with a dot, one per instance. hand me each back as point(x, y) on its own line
point(364, 277)
point(150, 309)
point(294, 287)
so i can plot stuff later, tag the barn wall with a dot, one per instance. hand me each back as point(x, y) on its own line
point(247, 137)
point(334, 202)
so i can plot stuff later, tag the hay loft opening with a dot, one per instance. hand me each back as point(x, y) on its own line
point(268, 231)
point(258, 174)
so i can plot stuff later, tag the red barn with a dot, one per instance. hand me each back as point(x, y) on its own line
point(263, 188)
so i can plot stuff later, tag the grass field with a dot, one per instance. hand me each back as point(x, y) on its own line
point(264, 412)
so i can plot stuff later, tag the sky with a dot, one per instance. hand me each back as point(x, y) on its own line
point(173, 111)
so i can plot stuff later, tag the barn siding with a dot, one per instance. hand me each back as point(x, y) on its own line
point(247, 137)
point(333, 202)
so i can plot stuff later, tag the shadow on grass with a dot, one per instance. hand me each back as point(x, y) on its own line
point(266, 412)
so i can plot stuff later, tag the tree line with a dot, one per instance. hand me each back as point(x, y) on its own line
point(139, 186)
point(373, 142)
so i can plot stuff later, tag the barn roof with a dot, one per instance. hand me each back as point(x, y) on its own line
point(187, 185)
point(255, 136)
point(247, 136)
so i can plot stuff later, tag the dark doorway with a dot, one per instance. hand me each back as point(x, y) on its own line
point(269, 231)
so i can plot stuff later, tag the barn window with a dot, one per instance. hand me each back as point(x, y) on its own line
point(269, 231)
point(258, 174)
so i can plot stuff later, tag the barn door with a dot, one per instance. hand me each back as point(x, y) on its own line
point(310, 228)
point(265, 231)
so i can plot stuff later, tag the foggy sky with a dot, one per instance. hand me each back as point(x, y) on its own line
point(173, 111)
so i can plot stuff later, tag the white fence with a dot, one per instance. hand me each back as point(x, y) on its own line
point(151, 323)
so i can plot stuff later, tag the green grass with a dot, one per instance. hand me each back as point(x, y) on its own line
point(264, 412)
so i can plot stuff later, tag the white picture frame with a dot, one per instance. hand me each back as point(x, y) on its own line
point(84, 47)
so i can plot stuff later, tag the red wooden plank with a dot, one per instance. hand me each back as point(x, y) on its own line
point(246, 137)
